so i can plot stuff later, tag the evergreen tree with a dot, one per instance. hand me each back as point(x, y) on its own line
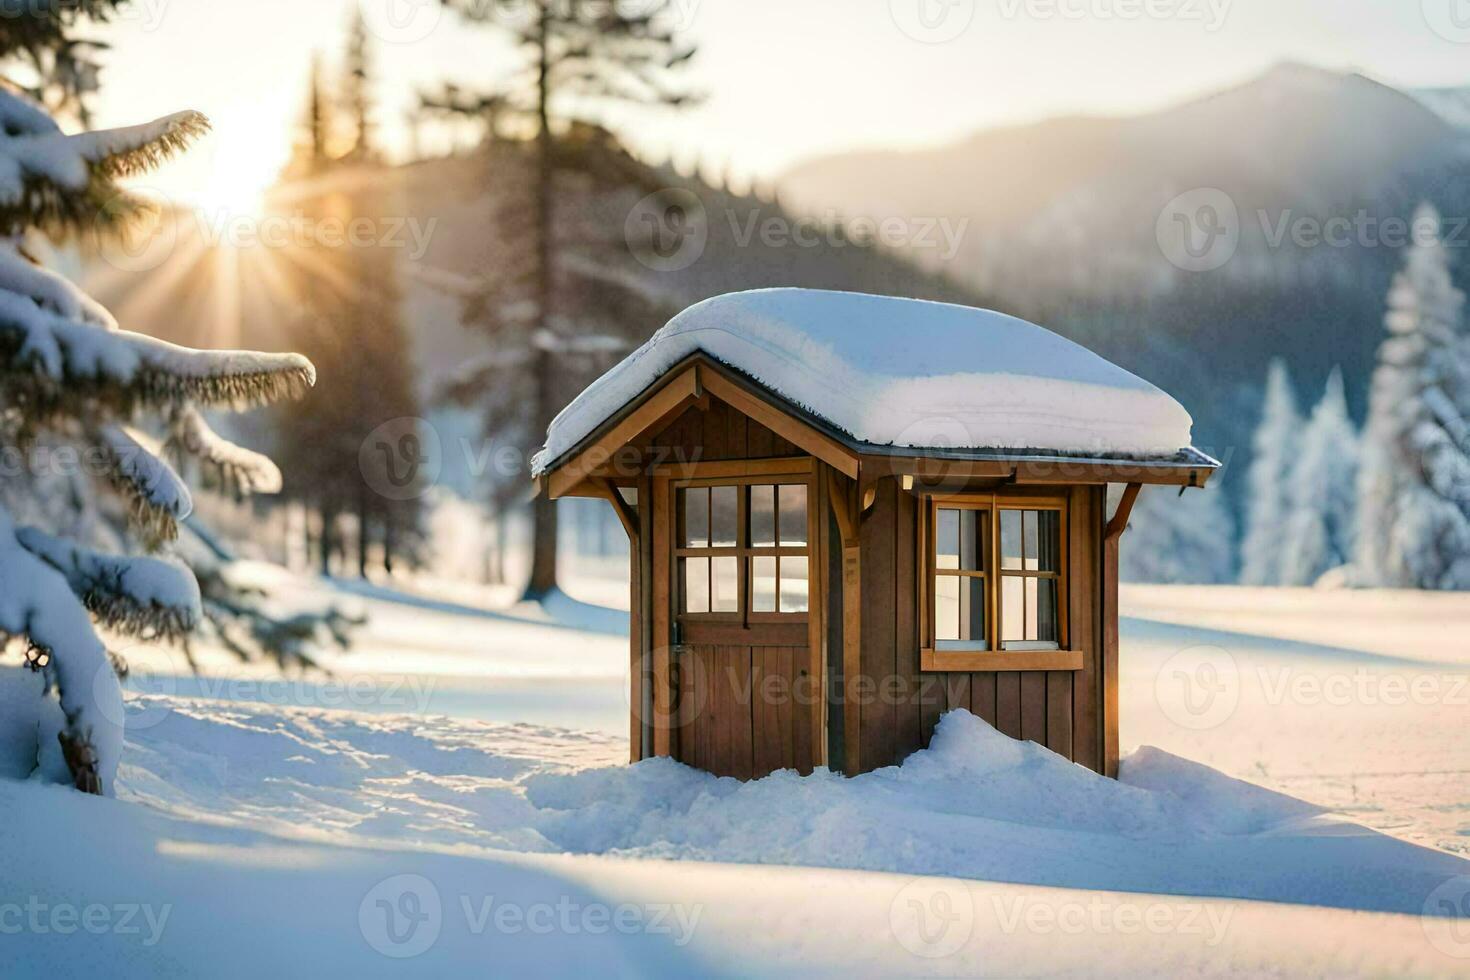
point(45, 58)
point(352, 327)
point(1175, 539)
point(1274, 449)
point(552, 307)
point(71, 377)
point(1322, 492)
point(357, 96)
point(1414, 484)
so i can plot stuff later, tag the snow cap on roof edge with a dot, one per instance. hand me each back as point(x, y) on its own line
point(900, 372)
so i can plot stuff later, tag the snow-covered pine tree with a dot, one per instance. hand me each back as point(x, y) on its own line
point(557, 297)
point(71, 378)
point(1414, 480)
point(1188, 540)
point(1274, 449)
point(1322, 492)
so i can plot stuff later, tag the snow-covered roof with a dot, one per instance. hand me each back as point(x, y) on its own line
point(902, 373)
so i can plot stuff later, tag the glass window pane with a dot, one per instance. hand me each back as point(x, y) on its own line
point(724, 516)
point(1031, 608)
point(1049, 536)
point(1010, 539)
point(1012, 608)
point(972, 539)
point(946, 607)
point(1028, 523)
point(972, 609)
point(763, 516)
point(947, 539)
point(696, 584)
point(695, 509)
point(792, 522)
point(1047, 621)
point(763, 583)
point(725, 584)
point(793, 584)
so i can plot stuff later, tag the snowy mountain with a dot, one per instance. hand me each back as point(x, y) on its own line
point(1064, 221)
point(1072, 203)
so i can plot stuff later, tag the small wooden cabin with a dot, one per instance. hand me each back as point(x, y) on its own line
point(832, 543)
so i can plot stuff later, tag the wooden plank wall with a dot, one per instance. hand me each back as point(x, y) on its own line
point(752, 720)
point(722, 433)
point(900, 705)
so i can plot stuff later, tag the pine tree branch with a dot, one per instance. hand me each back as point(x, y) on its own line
point(235, 469)
point(148, 597)
point(156, 496)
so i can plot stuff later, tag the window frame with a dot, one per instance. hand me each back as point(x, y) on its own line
point(936, 655)
point(743, 551)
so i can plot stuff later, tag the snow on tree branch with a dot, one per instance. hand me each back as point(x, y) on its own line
point(57, 364)
point(157, 497)
point(242, 471)
point(48, 290)
point(150, 597)
point(59, 181)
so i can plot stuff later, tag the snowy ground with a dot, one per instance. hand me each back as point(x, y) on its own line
point(346, 826)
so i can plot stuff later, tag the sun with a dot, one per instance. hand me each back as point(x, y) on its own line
point(249, 153)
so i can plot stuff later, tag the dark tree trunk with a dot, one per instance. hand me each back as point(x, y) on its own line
point(543, 536)
point(388, 543)
point(325, 541)
point(362, 533)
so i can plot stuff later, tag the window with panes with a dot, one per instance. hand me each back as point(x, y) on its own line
point(743, 550)
point(996, 574)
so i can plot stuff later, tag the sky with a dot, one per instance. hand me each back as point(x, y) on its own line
point(785, 79)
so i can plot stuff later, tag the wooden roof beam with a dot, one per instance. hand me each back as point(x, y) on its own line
point(664, 405)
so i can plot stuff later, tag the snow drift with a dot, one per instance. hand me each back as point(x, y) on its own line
point(975, 804)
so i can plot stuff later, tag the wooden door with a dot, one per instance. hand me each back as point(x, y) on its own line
point(746, 674)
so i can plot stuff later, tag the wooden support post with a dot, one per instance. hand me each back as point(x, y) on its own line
point(820, 609)
point(662, 701)
point(843, 495)
point(1111, 539)
point(637, 575)
point(643, 706)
